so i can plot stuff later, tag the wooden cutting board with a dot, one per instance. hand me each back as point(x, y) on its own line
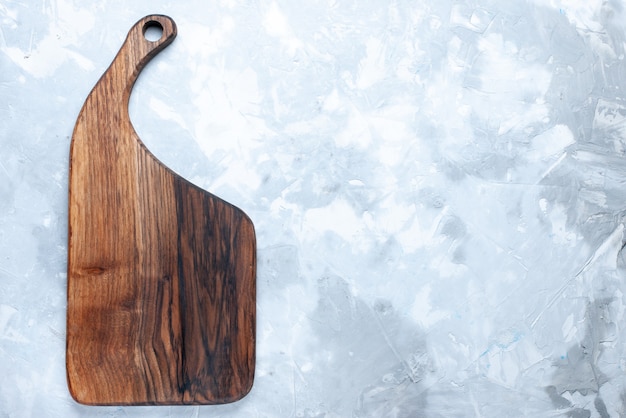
point(161, 274)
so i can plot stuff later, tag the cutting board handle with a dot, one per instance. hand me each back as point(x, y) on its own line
point(137, 51)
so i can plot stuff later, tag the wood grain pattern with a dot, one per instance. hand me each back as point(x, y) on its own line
point(161, 274)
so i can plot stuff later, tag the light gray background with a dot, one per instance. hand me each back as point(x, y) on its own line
point(438, 189)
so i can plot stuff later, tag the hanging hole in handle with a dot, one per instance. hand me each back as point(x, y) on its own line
point(152, 31)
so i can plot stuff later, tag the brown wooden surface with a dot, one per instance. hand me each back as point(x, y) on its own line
point(161, 274)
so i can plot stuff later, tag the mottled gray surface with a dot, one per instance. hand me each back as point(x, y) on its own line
point(438, 189)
